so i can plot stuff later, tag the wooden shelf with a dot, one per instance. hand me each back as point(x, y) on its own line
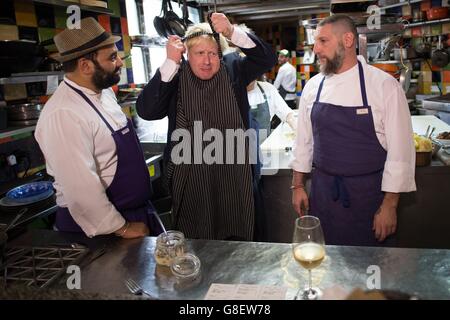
point(83, 7)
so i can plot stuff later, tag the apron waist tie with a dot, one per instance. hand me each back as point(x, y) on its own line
point(340, 192)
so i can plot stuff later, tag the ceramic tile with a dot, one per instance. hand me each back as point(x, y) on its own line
point(60, 17)
point(130, 75)
point(45, 15)
point(8, 32)
point(25, 15)
point(123, 8)
point(7, 13)
point(115, 25)
point(124, 25)
point(126, 44)
point(104, 21)
point(114, 6)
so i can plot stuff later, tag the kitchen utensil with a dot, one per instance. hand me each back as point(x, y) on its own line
point(423, 48)
point(136, 289)
point(18, 56)
point(33, 191)
point(6, 202)
point(440, 57)
point(26, 111)
point(437, 13)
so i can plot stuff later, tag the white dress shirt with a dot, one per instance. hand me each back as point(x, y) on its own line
point(391, 116)
point(287, 77)
point(80, 154)
point(169, 68)
point(277, 106)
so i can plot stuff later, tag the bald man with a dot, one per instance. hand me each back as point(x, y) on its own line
point(355, 137)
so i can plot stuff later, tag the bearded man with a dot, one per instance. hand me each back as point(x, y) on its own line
point(354, 135)
point(90, 147)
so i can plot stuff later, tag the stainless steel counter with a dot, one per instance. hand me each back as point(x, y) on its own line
point(424, 272)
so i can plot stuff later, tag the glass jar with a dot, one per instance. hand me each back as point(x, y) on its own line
point(186, 268)
point(168, 246)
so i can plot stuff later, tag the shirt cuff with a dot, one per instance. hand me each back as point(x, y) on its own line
point(110, 224)
point(168, 70)
point(241, 39)
point(398, 177)
point(299, 165)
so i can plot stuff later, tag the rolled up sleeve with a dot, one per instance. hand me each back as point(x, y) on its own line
point(303, 148)
point(399, 169)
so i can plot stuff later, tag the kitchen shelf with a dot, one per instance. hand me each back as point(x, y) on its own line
point(30, 77)
point(83, 7)
point(426, 23)
point(401, 4)
point(13, 131)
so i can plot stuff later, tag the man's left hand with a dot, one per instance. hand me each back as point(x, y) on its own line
point(222, 25)
point(385, 222)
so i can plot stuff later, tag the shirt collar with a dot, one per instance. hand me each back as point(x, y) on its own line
point(83, 89)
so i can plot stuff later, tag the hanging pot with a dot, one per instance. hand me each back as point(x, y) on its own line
point(18, 56)
point(440, 57)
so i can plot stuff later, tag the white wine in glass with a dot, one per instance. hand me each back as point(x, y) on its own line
point(308, 247)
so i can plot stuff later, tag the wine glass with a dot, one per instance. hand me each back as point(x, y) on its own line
point(308, 246)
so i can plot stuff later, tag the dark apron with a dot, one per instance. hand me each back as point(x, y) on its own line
point(130, 189)
point(261, 115)
point(348, 171)
point(283, 92)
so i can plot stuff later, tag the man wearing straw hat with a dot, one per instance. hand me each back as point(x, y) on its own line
point(91, 149)
point(207, 94)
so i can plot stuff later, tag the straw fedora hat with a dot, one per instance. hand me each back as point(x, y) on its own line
point(74, 43)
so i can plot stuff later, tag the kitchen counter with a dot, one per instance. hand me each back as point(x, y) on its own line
point(422, 272)
point(423, 219)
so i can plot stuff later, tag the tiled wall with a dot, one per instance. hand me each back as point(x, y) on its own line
point(273, 34)
point(26, 19)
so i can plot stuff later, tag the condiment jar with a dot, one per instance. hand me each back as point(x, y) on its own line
point(168, 246)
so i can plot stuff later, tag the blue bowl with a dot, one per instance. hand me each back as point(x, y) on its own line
point(34, 191)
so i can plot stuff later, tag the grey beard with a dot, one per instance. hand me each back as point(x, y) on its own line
point(331, 66)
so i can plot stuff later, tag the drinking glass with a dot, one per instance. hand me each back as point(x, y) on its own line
point(308, 247)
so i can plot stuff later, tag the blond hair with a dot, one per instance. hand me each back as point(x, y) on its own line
point(199, 28)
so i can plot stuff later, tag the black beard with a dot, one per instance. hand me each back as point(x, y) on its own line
point(333, 65)
point(103, 79)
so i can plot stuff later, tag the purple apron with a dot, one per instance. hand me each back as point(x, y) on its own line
point(130, 189)
point(348, 169)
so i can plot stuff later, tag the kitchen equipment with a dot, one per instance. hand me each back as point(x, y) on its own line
point(423, 48)
point(18, 56)
point(440, 57)
point(437, 13)
point(22, 123)
point(186, 268)
point(423, 158)
point(135, 288)
point(26, 111)
point(38, 267)
point(34, 191)
point(8, 203)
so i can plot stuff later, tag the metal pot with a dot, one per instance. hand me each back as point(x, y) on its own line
point(27, 111)
point(18, 56)
point(440, 56)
